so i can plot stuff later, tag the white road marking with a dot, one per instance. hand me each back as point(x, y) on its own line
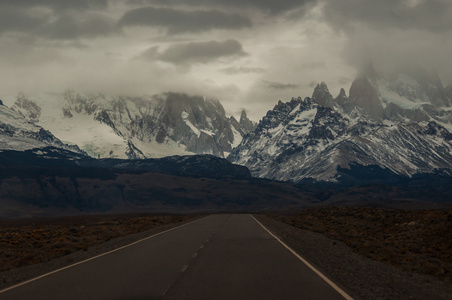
point(100, 255)
point(332, 284)
point(194, 255)
point(166, 290)
point(184, 267)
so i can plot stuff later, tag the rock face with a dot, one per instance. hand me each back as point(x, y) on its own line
point(411, 94)
point(27, 108)
point(246, 124)
point(303, 140)
point(165, 124)
point(322, 95)
point(18, 133)
point(363, 95)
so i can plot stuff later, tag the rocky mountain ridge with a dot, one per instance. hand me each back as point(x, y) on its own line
point(137, 127)
point(162, 125)
point(18, 133)
point(316, 138)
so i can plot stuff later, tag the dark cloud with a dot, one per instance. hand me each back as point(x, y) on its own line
point(268, 6)
point(54, 24)
point(394, 33)
point(69, 27)
point(56, 4)
point(242, 70)
point(431, 15)
point(150, 54)
point(196, 52)
point(279, 85)
point(181, 21)
point(13, 19)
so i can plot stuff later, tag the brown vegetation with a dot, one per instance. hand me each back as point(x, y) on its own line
point(31, 241)
point(417, 240)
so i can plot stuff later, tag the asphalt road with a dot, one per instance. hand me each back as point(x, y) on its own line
point(218, 257)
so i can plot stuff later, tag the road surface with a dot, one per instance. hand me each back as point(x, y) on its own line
point(218, 257)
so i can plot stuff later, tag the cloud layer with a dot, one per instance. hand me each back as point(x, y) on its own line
point(183, 21)
point(196, 52)
point(249, 54)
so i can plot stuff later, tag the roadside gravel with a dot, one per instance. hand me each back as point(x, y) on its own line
point(359, 276)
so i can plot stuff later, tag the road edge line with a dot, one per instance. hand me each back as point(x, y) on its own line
point(97, 256)
point(331, 283)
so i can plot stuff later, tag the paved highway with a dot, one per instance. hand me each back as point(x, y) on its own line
point(218, 257)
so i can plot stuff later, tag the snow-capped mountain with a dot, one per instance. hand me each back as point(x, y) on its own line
point(17, 133)
point(139, 127)
point(411, 94)
point(315, 137)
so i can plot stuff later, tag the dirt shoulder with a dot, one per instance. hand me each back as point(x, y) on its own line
point(32, 247)
point(373, 276)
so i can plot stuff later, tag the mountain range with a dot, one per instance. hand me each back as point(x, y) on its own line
point(395, 124)
point(138, 127)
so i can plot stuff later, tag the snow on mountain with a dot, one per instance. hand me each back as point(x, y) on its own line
point(137, 127)
point(18, 133)
point(410, 94)
point(301, 139)
point(28, 109)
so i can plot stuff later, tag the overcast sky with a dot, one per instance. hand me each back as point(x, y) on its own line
point(247, 54)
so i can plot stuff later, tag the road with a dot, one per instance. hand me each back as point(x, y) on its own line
point(218, 257)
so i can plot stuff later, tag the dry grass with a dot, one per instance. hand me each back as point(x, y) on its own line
point(417, 241)
point(22, 245)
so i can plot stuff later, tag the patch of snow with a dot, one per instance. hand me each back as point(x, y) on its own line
point(389, 96)
point(19, 144)
point(307, 114)
point(276, 130)
point(389, 123)
point(209, 122)
point(295, 110)
point(155, 149)
point(184, 115)
point(208, 132)
point(237, 137)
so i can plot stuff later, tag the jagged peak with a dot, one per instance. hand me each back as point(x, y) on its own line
point(322, 95)
point(279, 105)
point(321, 86)
point(342, 93)
point(243, 115)
point(292, 103)
point(233, 119)
point(246, 124)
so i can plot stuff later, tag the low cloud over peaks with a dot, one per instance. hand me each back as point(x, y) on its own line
point(429, 15)
point(280, 85)
point(242, 70)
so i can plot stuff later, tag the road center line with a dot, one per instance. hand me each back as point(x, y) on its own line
point(332, 284)
point(100, 255)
